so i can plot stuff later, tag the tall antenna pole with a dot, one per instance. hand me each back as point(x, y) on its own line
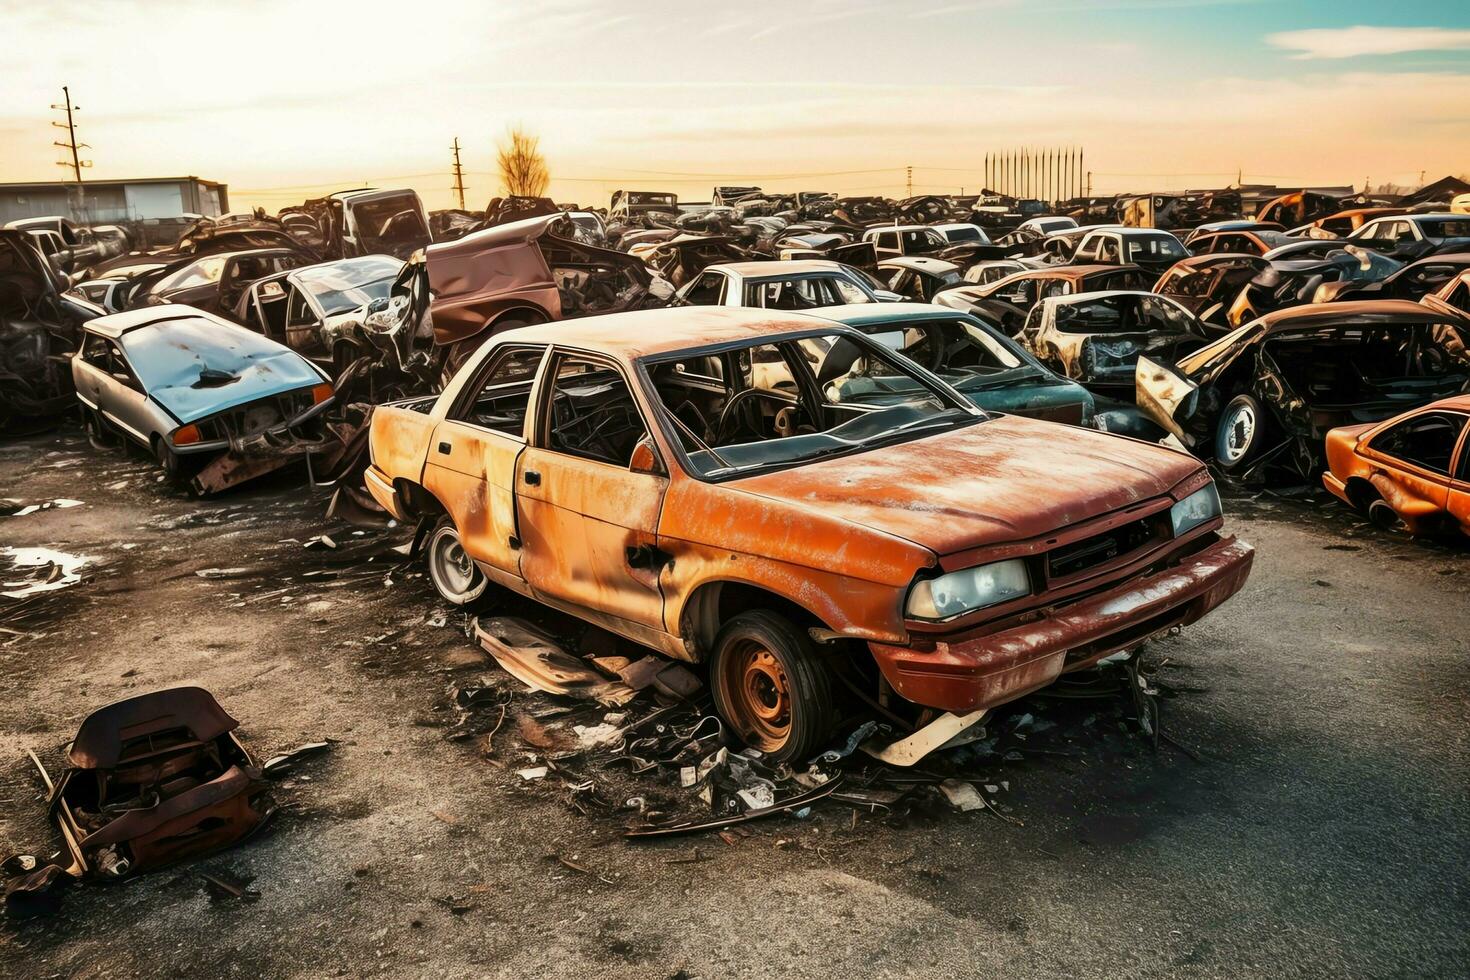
point(458, 174)
point(910, 171)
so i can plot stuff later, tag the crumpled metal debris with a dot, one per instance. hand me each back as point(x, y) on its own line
point(152, 780)
point(538, 661)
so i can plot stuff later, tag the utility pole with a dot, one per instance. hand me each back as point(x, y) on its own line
point(458, 174)
point(76, 163)
point(911, 180)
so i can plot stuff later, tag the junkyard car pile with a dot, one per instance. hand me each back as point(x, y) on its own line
point(846, 457)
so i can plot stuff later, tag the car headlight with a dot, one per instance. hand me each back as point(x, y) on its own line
point(1200, 506)
point(969, 589)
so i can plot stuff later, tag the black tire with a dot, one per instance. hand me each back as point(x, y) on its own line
point(770, 686)
point(456, 577)
point(167, 458)
point(98, 434)
point(1240, 434)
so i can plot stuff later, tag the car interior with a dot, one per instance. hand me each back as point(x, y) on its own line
point(1364, 374)
point(787, 400)
point(1427, 440)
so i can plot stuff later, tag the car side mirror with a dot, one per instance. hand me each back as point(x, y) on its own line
point(645, 459)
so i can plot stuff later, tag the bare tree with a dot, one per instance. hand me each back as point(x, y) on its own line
point(522, 167)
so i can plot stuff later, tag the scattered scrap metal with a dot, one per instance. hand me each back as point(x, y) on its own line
point(151, 781)
point(637, 741)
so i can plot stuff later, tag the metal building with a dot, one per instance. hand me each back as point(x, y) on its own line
point(106, 201)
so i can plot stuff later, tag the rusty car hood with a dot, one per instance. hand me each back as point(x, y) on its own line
point(1003, 480)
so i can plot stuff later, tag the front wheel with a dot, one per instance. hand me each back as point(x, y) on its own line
point(454, 573)
point(1240, 435)
point(770, 686)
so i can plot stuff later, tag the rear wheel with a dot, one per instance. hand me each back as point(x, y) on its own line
point(770, 686)
point(97, 431)
point(1240, 435)
point(454, 573)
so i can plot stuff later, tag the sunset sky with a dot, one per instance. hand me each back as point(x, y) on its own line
point(283, 101)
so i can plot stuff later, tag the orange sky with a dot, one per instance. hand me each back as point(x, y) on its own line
point(288, 101)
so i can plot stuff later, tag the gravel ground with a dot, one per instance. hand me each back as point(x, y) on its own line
point(1322, 831)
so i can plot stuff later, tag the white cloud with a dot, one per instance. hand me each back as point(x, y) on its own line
point(1354, 42)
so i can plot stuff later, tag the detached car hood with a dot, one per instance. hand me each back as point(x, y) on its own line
point(998, 481)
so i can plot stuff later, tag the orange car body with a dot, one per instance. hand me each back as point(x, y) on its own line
point(662, 557)
point(1366, 463)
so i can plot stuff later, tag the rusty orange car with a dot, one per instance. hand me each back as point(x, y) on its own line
point(808, 513)
point(1412, 470)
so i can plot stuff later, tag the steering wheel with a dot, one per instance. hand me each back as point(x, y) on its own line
point(744, 397)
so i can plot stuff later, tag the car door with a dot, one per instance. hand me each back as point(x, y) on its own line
point(91, 369)
point(1417, 454)
point(588, 519)
point(303, 326)
point(1457, 502)
point(121, 398)
point(471, 463)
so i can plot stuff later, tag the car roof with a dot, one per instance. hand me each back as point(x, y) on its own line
point(780, 267)
point(919, 263)
point(641, 333)
point(1403, 309)
point(1074, 271)
point(854, 314)
point(114, 325)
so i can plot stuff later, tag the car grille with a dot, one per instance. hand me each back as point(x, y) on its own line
point(1079, 556)
point(255, 417)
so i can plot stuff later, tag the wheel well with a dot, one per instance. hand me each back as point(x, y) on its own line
point(1360, 492)
point(715, 603)
point(530, 314)
point(417, 499)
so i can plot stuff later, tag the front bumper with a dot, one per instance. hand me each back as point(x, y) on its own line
point(989, 670)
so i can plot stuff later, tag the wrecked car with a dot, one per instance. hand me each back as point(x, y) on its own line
point(680, 478)
point(1408, 236)
point(526, 272)
point(1207, 285)
point(1412, 470)
point(1097, 338)
point(683, 257)
point(365, 319)
point(40, 327)
point(625, 203)
point(1009, 300)
point(1249, 241)
point(213, 283)
point(1422, 278)
point(919, 278)
point(206, 397)
point(1294, 276)
point(799, 284)
point(980, 362)
point(360, 222)
point(1298, 208)
point(1268, 392)
point(1149, 249)
point(897, 240)
point(154, 780)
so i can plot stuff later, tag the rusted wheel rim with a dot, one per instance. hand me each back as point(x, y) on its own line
point(760, 695)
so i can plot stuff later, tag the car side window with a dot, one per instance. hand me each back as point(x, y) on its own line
point(504, 392)
point(888, 239)
point(849, 293)
point(95, 351)
point(119, 368)
point(1426, 441)
point(593, 414)
point(708, 290)
point(1108, 250)
point(300, 313)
